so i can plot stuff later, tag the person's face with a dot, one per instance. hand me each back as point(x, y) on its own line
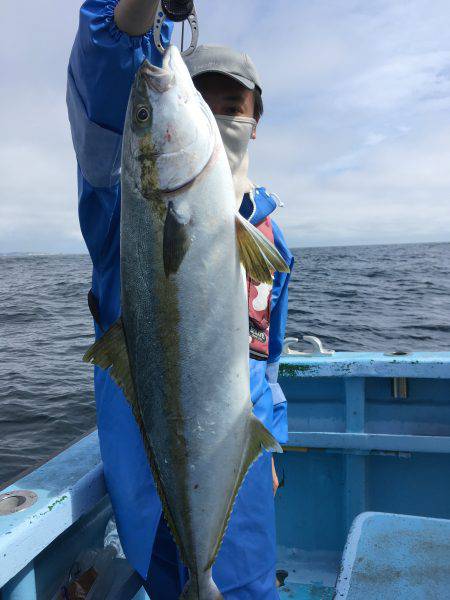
point(225, 96)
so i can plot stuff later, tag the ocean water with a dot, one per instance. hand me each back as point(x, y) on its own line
point(354, 298)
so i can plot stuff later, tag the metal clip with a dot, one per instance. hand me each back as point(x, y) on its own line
point(318, 349)
point(157, 27)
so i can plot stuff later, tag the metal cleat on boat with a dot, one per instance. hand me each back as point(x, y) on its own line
point(317, 347)
point(15, 501)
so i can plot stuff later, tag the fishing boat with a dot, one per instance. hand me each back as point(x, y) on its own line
point(363, 509)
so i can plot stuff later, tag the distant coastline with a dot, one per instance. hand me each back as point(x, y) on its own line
point(374, 245)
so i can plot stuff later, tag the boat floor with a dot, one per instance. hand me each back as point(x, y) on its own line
point(300, 591)
point(311, 575)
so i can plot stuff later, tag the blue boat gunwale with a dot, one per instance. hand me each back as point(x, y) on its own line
point(71, 484)
point(68, 486)
point(434, 365)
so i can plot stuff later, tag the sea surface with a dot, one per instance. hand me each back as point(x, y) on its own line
point(354, 298)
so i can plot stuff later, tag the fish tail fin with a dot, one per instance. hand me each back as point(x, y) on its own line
point(201, 587)
point(258, 255)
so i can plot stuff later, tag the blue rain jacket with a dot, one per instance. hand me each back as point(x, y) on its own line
point(101, 70)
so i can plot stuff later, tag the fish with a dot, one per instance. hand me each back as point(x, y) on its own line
point(180, 350)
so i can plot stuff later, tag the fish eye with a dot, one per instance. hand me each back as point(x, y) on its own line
point(142, 114)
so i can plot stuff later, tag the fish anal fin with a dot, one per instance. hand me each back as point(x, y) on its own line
point(258, 255)
point(259, 438)
point(110, 352)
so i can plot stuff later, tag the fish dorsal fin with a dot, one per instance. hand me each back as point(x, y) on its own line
point(258, 255)
point(258, 438)
point(110, 351)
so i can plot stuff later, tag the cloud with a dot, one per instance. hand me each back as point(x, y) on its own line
point(355, 138)
point(38, 198)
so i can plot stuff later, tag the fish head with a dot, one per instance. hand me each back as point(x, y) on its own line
point(170, 133)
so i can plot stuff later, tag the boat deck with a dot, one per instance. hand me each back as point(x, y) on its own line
point(299, 591)
point(356, 422)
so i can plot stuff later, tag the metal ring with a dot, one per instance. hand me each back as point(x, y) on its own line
point(157, 26)
point(16, 500)
point(193, 22)
point(159, 22)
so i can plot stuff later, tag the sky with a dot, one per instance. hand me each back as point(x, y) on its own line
point(355, 138)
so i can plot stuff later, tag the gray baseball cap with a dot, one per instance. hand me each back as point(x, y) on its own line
point(220, 59)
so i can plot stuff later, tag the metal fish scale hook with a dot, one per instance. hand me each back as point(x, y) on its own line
point(177, 11)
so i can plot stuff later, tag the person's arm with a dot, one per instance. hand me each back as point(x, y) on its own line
point(104, 61)
point(102, 66)
point(135, 17)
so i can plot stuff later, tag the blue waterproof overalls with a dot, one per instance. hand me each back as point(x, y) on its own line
point(101, 70)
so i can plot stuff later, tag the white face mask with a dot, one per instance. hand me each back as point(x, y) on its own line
point(236, 133)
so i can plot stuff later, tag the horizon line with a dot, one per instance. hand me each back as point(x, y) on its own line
point(354, 245)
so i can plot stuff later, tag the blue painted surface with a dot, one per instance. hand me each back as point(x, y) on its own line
point(22, 586)
point(353, 447)
point(68, 487)
point(298, 591)
point(396, 556)
point(370, 441)
point(369, 364)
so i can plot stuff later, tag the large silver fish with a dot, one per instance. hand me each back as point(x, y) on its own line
point(180, 349)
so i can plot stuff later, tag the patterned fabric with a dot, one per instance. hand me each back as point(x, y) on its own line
point(259, 301)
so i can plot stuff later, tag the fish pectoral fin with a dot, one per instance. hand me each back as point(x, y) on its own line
point(176, 240)
point(110, 351)
point(258, 255)
point(259, 438)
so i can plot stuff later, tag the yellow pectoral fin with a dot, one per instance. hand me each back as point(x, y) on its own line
point(258, 255)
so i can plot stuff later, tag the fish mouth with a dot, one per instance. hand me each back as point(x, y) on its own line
point(157, 78)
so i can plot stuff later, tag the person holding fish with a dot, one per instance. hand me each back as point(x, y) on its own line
point(186, 421)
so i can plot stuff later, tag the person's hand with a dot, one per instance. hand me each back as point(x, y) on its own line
point(275, 481)
point(135, 17)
